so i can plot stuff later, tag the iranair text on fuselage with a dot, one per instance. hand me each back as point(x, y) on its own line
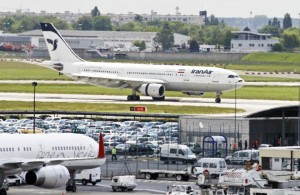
point(207, 71)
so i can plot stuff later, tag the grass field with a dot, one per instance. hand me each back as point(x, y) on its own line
point(246, 92)
point(273, 57)
point(11, 70)
point(119, 108)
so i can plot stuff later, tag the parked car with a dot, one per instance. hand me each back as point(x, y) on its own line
point(14, 180)
point(242, 156)
point(264, 146)
point(122, 148)
point(140, 149)
point(195, 147)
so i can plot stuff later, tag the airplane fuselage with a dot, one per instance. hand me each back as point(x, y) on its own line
point(36, 148)
point(176, 78)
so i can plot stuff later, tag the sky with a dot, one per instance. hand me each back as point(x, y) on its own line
point(220, 8)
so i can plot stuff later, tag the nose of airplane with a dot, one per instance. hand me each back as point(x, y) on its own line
point(240, 83)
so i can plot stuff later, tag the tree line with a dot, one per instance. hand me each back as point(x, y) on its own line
point(213, 32)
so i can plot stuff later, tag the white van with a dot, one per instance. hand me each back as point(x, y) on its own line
point(176, 152)
point(89, 176)
point(242, 156)
point(214, 166)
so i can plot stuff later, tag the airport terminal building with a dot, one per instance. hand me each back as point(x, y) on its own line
point(278, 126)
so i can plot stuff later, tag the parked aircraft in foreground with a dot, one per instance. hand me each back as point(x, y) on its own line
point(49, 160)
point(149, 80)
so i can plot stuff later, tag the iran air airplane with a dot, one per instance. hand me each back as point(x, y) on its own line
point(49, 160)
point(148, 80)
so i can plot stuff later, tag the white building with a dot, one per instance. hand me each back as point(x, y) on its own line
point(129, 17)
point(246, 41)
point(114, 40)
point(115, 18)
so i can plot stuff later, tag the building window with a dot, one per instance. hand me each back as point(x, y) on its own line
point(240, 45)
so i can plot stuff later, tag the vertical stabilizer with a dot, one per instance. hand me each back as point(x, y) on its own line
point(101, 152)
point(59, 49)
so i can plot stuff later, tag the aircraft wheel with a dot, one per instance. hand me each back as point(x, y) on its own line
point(68, 188)
point(84, 182)
point(218, 100)
point(73, 188)
point(179, 177)
point(148, 176)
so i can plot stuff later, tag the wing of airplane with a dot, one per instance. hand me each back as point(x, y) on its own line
point(120, 82)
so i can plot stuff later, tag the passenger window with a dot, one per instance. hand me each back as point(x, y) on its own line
point(205, 165)
point(180, 152)
point(173, 151)
point(231, 76)
point(212, 165)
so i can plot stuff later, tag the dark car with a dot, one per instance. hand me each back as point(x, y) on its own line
point(140, 149)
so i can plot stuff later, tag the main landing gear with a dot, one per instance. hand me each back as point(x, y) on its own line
point(218, 97)
point(71, 186)
point(3, 184)
point(133, 97)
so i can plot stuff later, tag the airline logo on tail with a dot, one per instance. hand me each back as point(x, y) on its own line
point(53, 43)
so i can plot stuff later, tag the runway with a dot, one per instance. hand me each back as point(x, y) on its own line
point(251, 106)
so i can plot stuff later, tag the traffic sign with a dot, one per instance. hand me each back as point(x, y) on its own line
point(138, 108)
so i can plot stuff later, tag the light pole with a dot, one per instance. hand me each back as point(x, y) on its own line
point(235, 114)
point(34, 84)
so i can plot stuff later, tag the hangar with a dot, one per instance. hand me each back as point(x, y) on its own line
point(278, 126)
point(102, 40)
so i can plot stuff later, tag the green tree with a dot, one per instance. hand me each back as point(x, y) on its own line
point(291, 38)
point(84, 23)
point(269, 29)
point(277, 47)
point(102, 23)
point(179, 27)
point(95, 12)
point(212, 21)
point(226, 42)
point(194, 46)
point(138, 18)
point(140, 44)
point(165, 37)
point(275, 23)
point(287, 21)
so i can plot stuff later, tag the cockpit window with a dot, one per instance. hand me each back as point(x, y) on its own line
point(233, 76)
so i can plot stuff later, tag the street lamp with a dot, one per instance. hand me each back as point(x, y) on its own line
point(34, 84)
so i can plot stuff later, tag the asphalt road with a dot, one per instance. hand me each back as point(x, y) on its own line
point(251, 106)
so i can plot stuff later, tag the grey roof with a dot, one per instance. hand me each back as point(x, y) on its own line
point(95, 34)
point(289, 111)
point(249, 32)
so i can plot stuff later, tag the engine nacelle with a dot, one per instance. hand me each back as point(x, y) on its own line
point(48, 177)
point(153, 90)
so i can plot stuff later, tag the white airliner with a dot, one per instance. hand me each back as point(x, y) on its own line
point(149, 80)
point(49, 160)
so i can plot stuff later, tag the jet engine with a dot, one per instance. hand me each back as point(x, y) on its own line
point(48, 177)
point(153, 90)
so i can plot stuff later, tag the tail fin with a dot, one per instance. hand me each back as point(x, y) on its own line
point(101, 152)
point(59, 49)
